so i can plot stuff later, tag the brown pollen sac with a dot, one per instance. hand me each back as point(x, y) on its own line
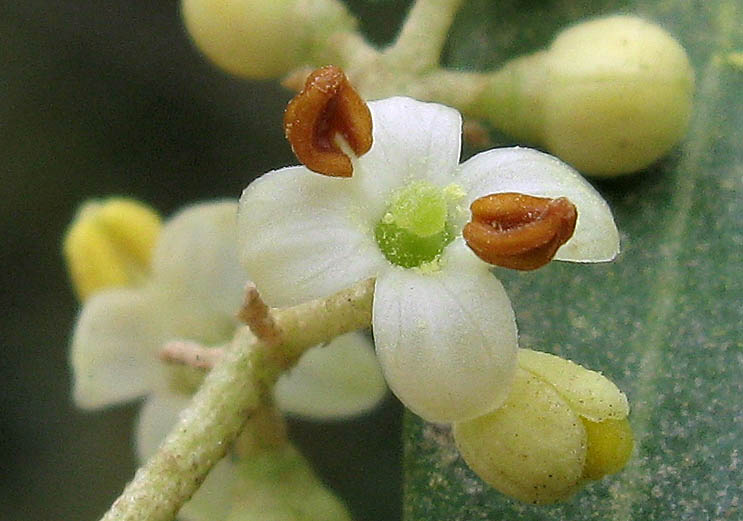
point(328, 105)
point(519, 231)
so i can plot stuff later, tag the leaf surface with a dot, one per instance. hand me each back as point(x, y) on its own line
point(662, 321)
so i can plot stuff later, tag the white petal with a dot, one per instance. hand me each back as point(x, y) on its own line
point(114, 347)
point(213, 500)
point(412, 140)
point(340, 379)
point(157, 416)
point(531, 172)
point(446, 340)
point(304, 236)
point(196, 260)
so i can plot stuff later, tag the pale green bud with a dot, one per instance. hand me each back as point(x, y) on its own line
point(110, 243)
point(610, 96)
point(560, 426)
point(279, 485)
point(262, 39)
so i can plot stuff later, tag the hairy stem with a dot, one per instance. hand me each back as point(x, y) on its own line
point(351, 51)
point(454, 88)
point(423, 35)
point(234, 392)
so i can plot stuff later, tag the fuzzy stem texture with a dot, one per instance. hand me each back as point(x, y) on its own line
point(454, 88)
point(232, 394)
point(423, 35)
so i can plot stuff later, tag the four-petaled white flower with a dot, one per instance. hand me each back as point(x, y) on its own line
point(443, 325)
point(193, 292)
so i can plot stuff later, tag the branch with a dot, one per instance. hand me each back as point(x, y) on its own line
point(233, 393)
point(454, 88)
point(255, 313)
point(423, 35)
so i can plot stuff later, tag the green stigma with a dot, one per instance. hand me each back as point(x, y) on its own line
point(414, 228)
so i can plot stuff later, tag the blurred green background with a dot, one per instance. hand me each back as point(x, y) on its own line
point(109, 97)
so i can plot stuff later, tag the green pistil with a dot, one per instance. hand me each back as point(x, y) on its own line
point(419, 208)
point(414, 229)
point(407, 249)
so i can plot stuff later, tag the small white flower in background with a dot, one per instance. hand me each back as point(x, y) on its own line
point(444, 329)
point(192, 293)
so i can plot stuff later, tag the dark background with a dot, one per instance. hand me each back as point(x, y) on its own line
point(102, 97)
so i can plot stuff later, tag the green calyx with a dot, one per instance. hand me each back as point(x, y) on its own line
point(414, 230)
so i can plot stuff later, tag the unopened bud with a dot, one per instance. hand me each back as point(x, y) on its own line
point(610, 96)
point(560, 426)
point(262, 39)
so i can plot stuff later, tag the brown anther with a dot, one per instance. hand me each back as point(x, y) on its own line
point(327, 106)
point(518, 231)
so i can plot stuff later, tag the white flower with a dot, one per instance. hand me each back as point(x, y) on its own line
point(193, 292)
point(443, 326)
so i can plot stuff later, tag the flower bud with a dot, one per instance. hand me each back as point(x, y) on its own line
point(262, 39)
point(560, 426)
point(610, 96)
point(110, 243)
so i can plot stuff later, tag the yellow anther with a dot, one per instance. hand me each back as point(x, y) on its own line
point(609, 445)
point(110, 243)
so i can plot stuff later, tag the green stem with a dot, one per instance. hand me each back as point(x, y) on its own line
point(232, 393)
point(334, 35)
point(454, 88)
point(321, 320)
point(511, 98)
point(423, 35)
point(350, 51)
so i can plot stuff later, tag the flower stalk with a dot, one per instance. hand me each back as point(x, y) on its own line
point(233, 393)
point(422, 37)
point(256, 314)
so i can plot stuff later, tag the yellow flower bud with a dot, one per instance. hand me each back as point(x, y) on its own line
point(110, 243)
point(610, 96)
point(561, 425)
point(262, 39)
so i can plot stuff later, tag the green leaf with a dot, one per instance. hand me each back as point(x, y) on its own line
point(662, 321)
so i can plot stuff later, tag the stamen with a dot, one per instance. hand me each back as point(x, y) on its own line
point(518, 231)
point(256, 314)
point(327, 106)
